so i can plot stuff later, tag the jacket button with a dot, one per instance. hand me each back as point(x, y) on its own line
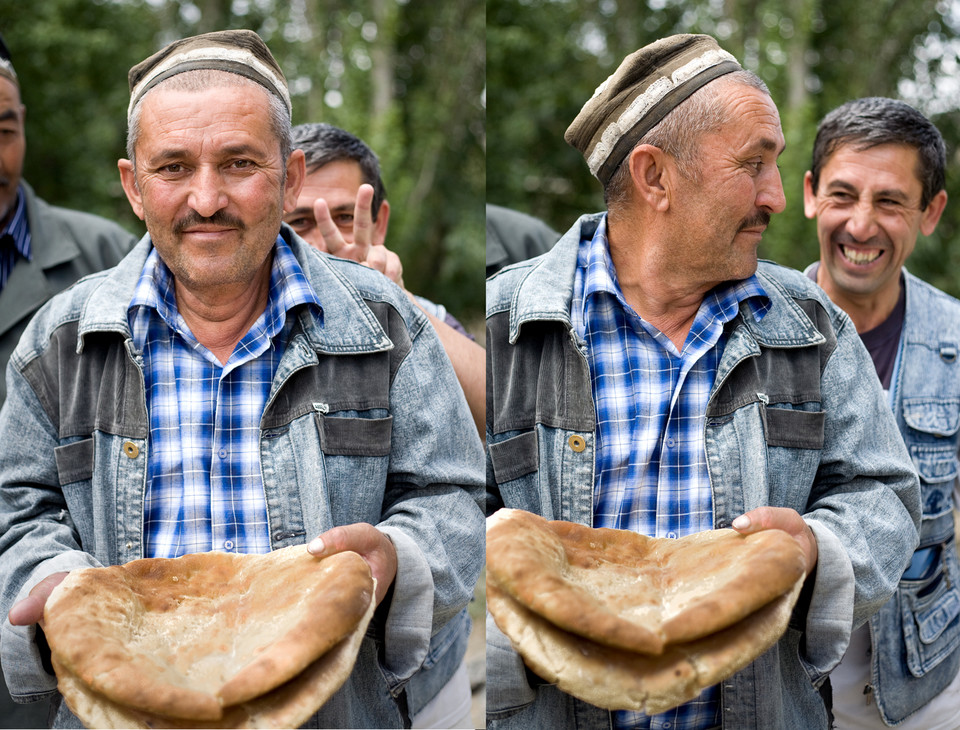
point(577, 443)
point(131, 449)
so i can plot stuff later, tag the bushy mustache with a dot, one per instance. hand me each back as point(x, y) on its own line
point(220, 218)
point(762, 218)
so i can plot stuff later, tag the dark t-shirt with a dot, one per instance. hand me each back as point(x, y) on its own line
point(884, 339)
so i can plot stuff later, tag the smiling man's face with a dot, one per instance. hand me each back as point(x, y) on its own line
point(867, 208)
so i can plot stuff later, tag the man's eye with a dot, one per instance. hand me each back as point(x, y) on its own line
point(172, 168)
point(241, 164)
point(300, 224)
point(343, 219)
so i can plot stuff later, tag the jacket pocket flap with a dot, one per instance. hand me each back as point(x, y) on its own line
point(515, 457)
point(74, 461)
point(932, 622)
point(794, 429)
point(343, 436)
point(935, 463)
point(939, 416)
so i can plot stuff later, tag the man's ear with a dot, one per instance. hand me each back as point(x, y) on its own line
point(296, 174)
point(128, 179)
point(651, 179)
point(809, 197)
point(380, 226)
point(931, 215)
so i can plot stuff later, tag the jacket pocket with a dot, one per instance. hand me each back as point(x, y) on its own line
point(793, 429)
point(348, 436)
point(930, 611)
point(936, 416)
point(937, 468)
point(515, 457)
point(74, 461)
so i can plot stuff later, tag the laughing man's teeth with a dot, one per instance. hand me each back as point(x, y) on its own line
point(859, 256)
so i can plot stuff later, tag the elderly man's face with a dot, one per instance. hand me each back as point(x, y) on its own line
point(210, 183)
point(722, 216)
point(13, 146)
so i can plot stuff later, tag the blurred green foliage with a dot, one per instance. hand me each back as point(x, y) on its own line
point(407, 76)
point(546, 57)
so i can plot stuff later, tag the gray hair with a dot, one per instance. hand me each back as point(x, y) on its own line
point(201, 80)
point(680, 131)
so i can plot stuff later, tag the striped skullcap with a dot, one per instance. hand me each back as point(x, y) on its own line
point(648, 84)
point(6, 65)
point(235, 51)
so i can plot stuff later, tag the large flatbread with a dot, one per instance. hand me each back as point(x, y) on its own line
point(634, 592)
point(289, 705)
point(623, 680)
point(186, 637)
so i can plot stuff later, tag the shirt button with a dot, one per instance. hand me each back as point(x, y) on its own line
point(672, 535)
point(228, 544)
point(131, 449)
point(577, 443)
point(670, 444)
point(222, 453)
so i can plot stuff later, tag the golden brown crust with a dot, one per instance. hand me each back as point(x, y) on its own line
point(616, 679)
point(634, 592)
point(289, 705)
point(189, 636)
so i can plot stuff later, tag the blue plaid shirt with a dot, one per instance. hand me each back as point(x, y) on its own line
point(14, 239)
point(651, 401)
point(204, 487)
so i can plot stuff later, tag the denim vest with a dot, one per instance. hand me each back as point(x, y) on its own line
point(916, 635)
point(796, 419)
point(352, 432)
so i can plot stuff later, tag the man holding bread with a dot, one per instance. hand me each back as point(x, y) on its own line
point(648, 375)
point(227, 388)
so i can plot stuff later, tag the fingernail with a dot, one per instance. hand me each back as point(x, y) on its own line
point(316, 546)
point(741, 523)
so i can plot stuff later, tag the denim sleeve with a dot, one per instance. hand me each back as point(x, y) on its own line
point(433, 501)
point(864, 507)
point(37, 536)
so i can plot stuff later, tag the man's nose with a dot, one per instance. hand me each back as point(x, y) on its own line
point(862, 223)
point(207, 194)
point(770, 195)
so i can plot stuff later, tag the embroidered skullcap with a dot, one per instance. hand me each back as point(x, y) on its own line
point(648, 84)
point(6, 65)
point(235, 51)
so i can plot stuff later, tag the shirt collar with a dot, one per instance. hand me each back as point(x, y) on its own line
point(19, 228)
point(600, 276)
point(289, 288)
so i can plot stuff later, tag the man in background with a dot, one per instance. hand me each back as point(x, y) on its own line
point(876, 183)
point(343, 210)
point(43, 250)
point(513, 236)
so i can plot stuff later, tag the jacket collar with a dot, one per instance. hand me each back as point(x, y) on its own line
point(347, 326)
point(546, 290)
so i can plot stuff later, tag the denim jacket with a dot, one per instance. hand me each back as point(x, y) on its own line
point(365, 423)
point(916, 635)
point(796, 418)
